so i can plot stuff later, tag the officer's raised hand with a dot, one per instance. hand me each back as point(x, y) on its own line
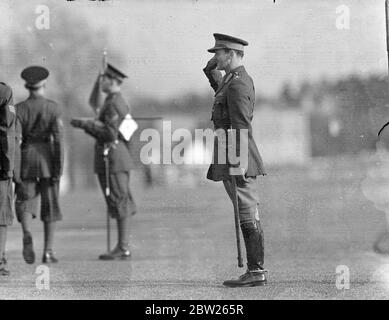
point(211, 64)
point(214, 76)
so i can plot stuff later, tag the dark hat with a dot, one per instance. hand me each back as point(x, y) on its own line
point(112, 72)
point(34, 76)
point(223, 41)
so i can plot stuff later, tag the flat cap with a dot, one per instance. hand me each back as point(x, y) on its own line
point(34, 76)
point(223, 41)
point(112, 72)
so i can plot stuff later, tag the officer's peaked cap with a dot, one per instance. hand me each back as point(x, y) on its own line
point(112, 72)
point(34, 76)
point(223, 41)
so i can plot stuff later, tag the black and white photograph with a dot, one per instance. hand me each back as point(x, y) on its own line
point(202, 150)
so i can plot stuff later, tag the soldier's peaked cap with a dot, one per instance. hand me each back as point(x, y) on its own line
point(34, 76)
point(223, 41)
point(113, 72)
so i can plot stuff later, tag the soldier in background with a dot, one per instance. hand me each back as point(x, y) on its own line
point(41, 133)
point(233, 109)
point(105, 129)
point(7, 154)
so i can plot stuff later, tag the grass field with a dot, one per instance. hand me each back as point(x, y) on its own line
point(183, 242)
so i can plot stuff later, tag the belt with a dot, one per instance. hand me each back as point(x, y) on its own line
point(30, 140)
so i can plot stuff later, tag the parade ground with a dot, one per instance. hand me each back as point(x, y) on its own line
point(317, 224)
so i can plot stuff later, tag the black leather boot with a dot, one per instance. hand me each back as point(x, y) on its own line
point(249, 279)
point(254, 242)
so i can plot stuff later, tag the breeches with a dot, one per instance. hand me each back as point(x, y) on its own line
point(120, 202)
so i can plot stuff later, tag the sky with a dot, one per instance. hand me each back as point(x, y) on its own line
point(164, 42)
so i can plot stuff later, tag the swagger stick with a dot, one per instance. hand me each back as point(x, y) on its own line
point(231, 143)
point(237, 222)
point(107, 193)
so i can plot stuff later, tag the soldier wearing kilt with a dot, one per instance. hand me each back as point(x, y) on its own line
point(7, 158)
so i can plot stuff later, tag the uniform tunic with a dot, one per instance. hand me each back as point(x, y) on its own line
point(233, 108)
point(42, 156)
point(106, 132)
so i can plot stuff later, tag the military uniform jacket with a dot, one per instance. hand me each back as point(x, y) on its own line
point(41, 132)
point(233, 108)
point(106, 133)
point(7, 137)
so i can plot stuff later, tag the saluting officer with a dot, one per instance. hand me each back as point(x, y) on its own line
point(41, 132)
point(233, 109)
point(7, 156)
point(105, 129)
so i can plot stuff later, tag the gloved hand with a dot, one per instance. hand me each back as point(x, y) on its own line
point(77, 123)
point(211, 64)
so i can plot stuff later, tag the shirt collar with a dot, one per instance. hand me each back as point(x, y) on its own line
point(238, 69)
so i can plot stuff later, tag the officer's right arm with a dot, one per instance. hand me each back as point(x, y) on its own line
point(107, 130)
point(214, 76)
